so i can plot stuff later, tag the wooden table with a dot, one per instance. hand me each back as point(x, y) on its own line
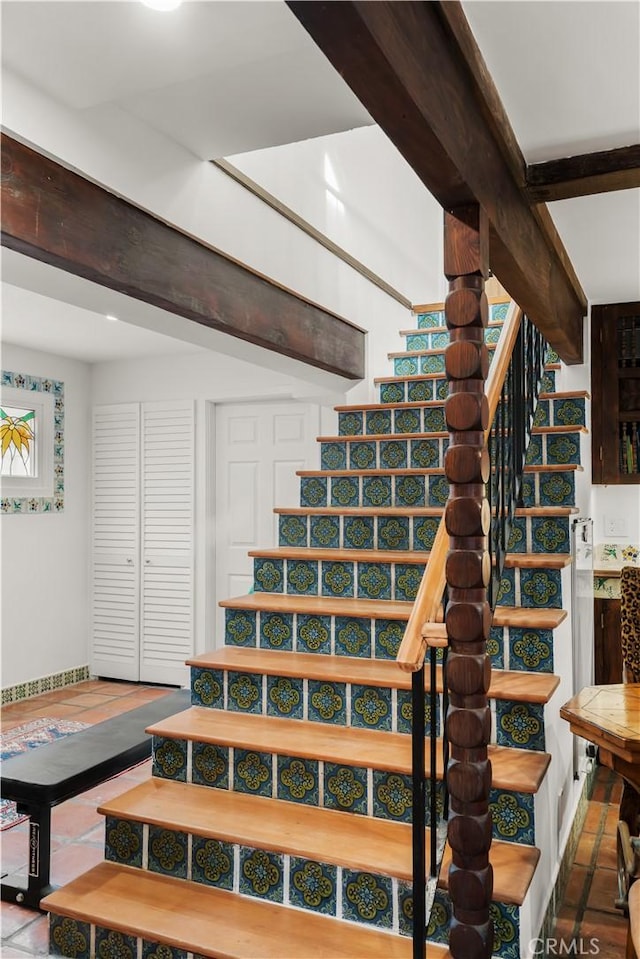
point(609, 716)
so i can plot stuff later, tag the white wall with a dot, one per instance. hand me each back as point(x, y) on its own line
point(356, 189)
point(45, 556)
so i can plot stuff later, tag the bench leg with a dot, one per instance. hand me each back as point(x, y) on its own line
point(38, 883)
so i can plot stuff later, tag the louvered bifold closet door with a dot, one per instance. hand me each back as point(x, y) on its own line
point(115, 601)
point(167, 541)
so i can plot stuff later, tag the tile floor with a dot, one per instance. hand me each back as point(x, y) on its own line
point(587, 911)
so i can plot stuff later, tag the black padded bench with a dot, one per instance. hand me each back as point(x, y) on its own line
point(41, 778)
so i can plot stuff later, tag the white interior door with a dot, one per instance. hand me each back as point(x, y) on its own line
point(259, 447)
point(115, 575)
point(167, 506)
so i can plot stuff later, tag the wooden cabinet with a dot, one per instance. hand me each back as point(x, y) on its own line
point(606, 641)
point(615, 384)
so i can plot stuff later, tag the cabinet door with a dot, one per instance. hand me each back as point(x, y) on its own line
point(115, 525)
point(167, 506)
point(606, 639)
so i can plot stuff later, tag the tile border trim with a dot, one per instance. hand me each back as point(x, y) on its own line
point(45, 684)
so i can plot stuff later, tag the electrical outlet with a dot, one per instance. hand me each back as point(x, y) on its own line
point(615, 526)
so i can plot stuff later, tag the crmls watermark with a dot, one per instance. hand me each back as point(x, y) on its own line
point(564, 947)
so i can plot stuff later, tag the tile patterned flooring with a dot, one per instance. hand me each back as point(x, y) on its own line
point(587, 911)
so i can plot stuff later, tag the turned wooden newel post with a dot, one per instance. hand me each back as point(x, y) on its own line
point(468, 615)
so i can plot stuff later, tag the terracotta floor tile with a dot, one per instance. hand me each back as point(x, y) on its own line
point(604, 889)
point(72, 860)
point(601, 792)
point(595, 816)
point(609, 932)
point(611, 820)
point(109, 789)
point(34, 937)
point(57, 711)
point(607, 853)
point(73, 819)
point(88, 699)
point(116, 707)
point(585, 850)
point(616, 792)
point(14, 918)
point(578, 881)
point(154, 692)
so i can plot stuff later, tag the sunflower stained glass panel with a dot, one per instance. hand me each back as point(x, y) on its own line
point(18, 440)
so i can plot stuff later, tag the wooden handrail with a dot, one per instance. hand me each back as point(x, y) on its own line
point(425, 609)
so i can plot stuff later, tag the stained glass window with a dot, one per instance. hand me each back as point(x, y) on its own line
point(18, 441)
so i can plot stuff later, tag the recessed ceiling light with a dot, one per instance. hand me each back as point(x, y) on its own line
point(164, 5)
point(114, 319)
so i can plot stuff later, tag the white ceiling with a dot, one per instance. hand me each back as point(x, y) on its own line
point(568, 74)
point(230, 77)
point(219, 77)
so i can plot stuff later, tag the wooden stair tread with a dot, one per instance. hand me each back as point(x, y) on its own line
point(417, 330)
point(505, 684)
point(213, 922)
point(577, 428)
point(373, 437)
point(545, 618)
point(439, 307)
point(360, 510)
point(513, 862)
point(321, 605)
point(410, 378)
point(342, 555)
point(438, 351)
point(325, 835)
point(519, 560)
point(566, 395)
point(381, 609)
point(408, 471)
point(357, 407)
point(408, 510)
point(514, 769)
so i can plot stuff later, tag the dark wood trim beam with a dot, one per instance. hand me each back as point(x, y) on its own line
point(57, 216)
point(584, 175)
point(404, 63)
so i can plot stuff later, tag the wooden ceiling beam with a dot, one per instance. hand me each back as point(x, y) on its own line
point(416, 68)
point(584, 175)
point(59, 217)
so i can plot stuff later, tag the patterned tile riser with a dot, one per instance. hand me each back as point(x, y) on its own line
point(377, 492)
point(359, 897)
point(506, 926)
point(359, 790)
point(395, 453)
point(437, 337)
point(410, 419)
point(315, 700)
point(497, 314)
point(540, 534)
point(544, 488)
point(531, 588)
point(560, 411)
point(437, 388)
point(554, 449)
point(530, 650)
point(299, 632)
point(365, 580)
point(324, 531)
point(72, 937)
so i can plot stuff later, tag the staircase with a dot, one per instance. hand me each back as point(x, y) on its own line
point(277, 820)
